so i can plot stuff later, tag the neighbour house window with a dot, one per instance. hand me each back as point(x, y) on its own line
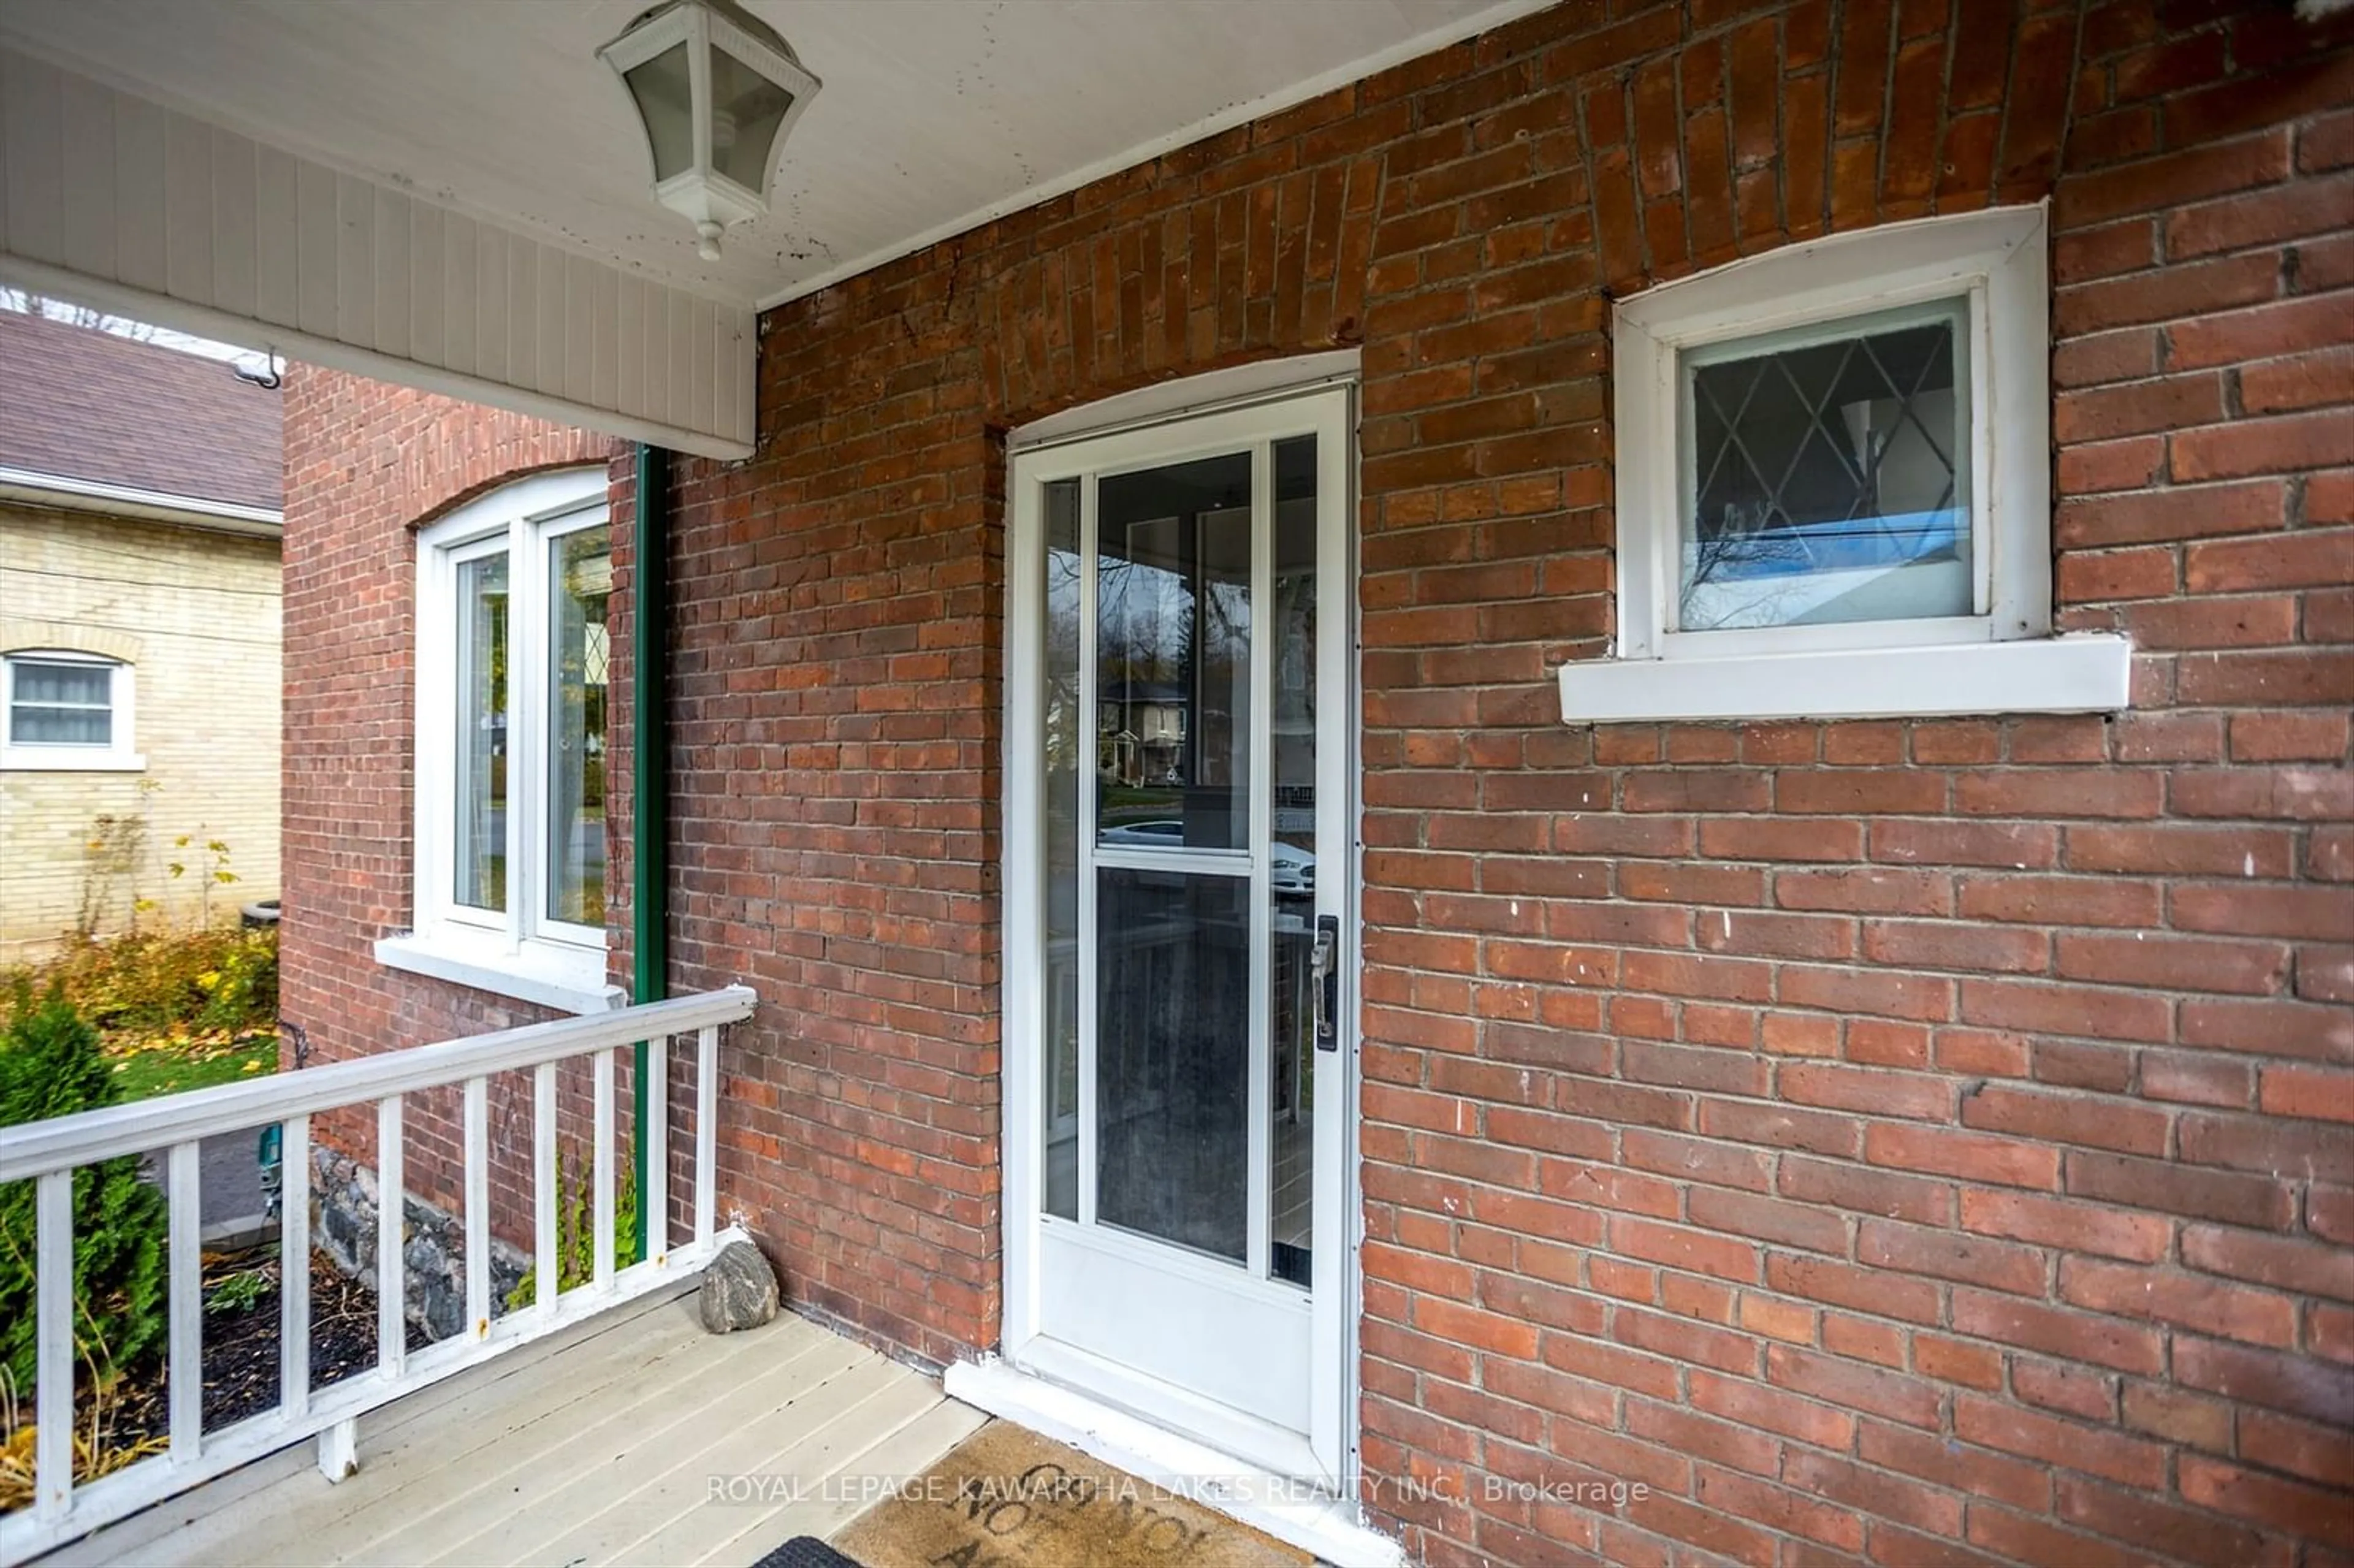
point(512, 663)
point(1833, 491)
point(67, 712)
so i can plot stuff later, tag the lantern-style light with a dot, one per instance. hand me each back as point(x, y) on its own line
point(716, 89)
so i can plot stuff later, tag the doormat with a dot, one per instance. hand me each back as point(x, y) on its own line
point(805, 1551)
point(1006, 1498)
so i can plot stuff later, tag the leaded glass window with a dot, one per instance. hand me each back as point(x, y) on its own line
point(580, 582)
point(1831, 476)
point(1826, 474)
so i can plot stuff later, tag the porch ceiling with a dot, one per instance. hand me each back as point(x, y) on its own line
point(936, 114)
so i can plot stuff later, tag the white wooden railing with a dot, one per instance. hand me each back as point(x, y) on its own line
point(48, 1152)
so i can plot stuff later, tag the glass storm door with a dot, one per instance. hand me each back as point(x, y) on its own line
point(1181, 970)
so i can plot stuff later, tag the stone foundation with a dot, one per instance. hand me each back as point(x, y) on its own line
point(433, 1251)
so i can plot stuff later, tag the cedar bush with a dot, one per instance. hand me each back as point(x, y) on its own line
point(51, 1065)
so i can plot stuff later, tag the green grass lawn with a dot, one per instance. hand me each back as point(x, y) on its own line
point(164, 1065)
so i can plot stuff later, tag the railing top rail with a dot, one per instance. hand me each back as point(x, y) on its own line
point(66, 1142)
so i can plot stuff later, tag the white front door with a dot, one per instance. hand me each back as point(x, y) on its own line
point(1180, 934)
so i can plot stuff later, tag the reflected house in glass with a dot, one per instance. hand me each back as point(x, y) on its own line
point(1173, 617)
point(1143, 732)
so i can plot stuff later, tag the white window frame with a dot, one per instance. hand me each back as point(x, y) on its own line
point(518, 952)
point(1999, 658)
point(118, 755)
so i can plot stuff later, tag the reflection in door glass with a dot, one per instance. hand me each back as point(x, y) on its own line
point(1172, 656)
point(1065, 743)
point(1173, 1057)
point(1291, 863)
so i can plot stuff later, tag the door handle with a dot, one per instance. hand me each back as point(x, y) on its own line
point(1324, 972)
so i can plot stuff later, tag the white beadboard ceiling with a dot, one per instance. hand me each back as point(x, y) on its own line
point(936, 114)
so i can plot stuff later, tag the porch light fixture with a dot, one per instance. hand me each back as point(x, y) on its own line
point(716, 89)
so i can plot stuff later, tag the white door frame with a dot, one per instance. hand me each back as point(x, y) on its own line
point(1330, 1453)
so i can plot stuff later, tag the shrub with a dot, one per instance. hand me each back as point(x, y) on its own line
point(215, 979)
point(241, 990)
point(50, 1066)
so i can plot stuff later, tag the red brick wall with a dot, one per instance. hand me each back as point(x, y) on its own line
point(1921, 1141)
point(1900, 1162)
point(1935, 1137)
point(366, 465)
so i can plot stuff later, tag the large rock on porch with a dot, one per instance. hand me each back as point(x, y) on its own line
point(739, 1289)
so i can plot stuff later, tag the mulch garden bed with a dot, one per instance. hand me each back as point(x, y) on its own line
point(241, 1348)
point(240, 1369)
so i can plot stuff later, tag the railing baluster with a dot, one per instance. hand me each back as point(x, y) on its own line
point(707, 1132)
point(46, 1155)
point(391, 1238)
point(602, 1273)
point(656, 1135)
point(295, 1267)
point(543, 1196)
point(478, 1206)
point(53, 1363)
point(183, 1186)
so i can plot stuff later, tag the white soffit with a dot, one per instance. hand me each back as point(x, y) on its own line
point(936, 115)
point(110, 200)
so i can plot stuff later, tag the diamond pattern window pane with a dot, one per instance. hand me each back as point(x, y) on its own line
point(580, 582)
point(1827, 476)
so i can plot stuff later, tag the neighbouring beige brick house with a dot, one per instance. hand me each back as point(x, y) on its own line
point(140, 494)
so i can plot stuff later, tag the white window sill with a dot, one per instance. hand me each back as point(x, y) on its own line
point(69, 759)
point(545, 973)
point(2086, 674)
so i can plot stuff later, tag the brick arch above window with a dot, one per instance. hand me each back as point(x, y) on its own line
point(425, 455)
point(1491, 196)
point(493, 481)
point(20, 634)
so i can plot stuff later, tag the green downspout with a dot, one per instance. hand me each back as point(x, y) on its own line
point(650, 771)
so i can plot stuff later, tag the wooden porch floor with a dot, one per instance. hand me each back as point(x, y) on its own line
point(599, 1446)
